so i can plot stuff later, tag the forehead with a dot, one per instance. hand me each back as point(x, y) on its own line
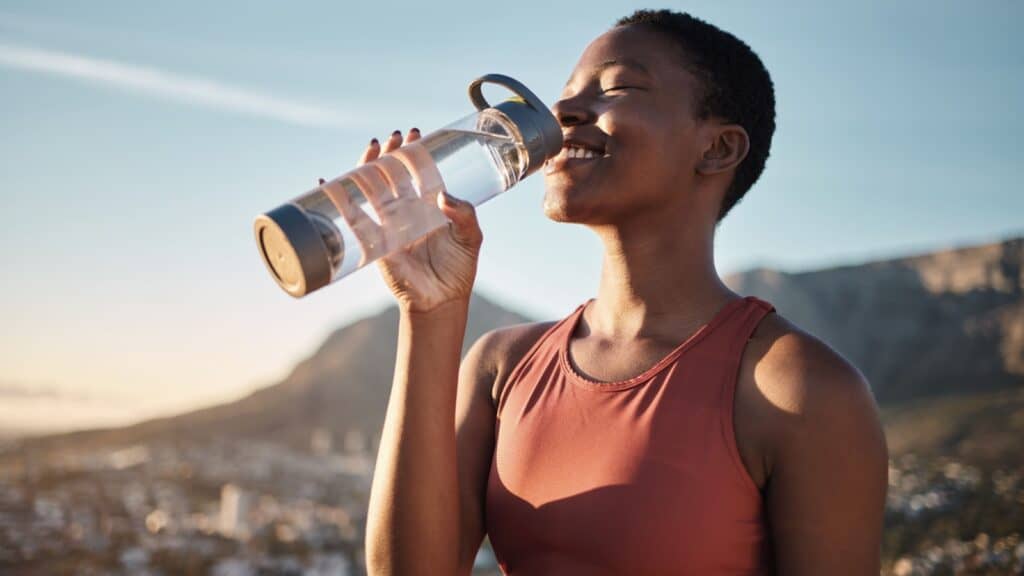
point(636, 47)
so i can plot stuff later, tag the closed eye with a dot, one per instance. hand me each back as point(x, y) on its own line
point(622, 88)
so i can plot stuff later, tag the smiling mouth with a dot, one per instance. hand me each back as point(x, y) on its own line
point(572, 156)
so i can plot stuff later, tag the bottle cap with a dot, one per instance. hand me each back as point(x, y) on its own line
point(539, 128)
point(293, 249)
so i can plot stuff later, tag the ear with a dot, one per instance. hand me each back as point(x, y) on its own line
point(727, 146)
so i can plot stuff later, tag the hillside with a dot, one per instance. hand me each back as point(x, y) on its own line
point(984, 429)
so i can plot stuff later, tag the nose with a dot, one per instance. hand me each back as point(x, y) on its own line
point(572, 111)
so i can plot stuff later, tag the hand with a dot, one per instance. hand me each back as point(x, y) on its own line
point(441, 267)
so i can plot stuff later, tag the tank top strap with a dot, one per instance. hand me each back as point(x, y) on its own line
point(547, 344)
point(735, 337)
point(743, 324)
point(730, 338)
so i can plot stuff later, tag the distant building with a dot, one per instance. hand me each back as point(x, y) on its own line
point(355, 441)
point(321, 442)
point(235, 504)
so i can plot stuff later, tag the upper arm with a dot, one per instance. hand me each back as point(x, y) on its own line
point(826, 491)
point(482, 371)
point(474, 442)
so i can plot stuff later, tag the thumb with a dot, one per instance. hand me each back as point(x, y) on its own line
point(465, 227)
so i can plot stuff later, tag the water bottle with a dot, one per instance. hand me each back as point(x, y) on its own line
point(389, 203)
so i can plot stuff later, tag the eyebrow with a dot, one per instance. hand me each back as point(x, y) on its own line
point(625, 62)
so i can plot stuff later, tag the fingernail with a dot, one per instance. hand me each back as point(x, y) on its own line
point(396, 133)
point(416, 130)
point(322, 181)
point(374, 142)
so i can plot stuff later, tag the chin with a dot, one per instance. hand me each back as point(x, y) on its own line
point(562, 206)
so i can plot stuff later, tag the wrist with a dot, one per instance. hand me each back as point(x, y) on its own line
point(456, 308)
point(438, 333)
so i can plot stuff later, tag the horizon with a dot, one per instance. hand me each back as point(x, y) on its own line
point(142, 141)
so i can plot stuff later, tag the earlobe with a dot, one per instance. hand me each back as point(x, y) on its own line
point(727, 149)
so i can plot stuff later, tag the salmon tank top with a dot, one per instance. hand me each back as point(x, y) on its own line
point(640, 476)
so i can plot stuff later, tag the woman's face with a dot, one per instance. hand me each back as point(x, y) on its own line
point(631, 139)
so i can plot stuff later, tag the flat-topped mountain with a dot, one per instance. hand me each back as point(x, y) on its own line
point(950, 322)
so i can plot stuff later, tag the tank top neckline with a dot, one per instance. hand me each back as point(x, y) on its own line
point(613, 386)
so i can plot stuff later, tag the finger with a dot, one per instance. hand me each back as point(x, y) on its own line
point(465, 228)
point(366, 231)
point(321, 181)
point(398, 176)
point(423, 169)
point(414, 135)
point(393, 142)
point(375, 189)
point(371, 153)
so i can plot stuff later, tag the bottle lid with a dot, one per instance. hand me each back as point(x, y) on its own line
point(542, 135)
point(293, 250)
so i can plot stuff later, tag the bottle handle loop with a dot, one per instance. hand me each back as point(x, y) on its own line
point(477, 97)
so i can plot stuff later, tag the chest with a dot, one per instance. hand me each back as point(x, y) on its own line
point(636, 473)
point(607, 362)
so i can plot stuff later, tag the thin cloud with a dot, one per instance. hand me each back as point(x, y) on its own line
point(22, 390)
point(25, 390)
point(191, 90)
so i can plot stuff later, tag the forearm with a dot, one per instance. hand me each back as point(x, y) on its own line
point(413, 518)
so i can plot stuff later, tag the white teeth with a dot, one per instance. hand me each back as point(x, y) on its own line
point(576, 152)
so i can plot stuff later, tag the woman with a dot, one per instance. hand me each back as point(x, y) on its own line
point(667, 426)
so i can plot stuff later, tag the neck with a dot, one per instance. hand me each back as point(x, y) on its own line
point(657, 279)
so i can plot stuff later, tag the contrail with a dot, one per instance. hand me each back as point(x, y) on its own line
point(191, 90)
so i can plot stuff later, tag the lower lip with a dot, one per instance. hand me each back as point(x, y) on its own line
point(562, 162)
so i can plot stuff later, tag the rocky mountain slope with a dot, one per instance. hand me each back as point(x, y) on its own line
point(950, 322)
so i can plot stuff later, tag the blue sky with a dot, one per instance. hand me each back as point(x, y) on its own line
point(139, 141)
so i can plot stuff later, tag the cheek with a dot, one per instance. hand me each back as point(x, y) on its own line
point(649, 154)
point(640, 132)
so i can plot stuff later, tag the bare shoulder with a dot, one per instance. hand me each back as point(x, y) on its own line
point(497, 352)
point(794, 384)
point(794, 369)
point(813, 423)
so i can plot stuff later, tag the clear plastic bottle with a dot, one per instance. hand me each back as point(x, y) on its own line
point(387, 204)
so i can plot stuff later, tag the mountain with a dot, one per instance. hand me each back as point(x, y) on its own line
point(940, 337)
point(950, 322)
point(342, 387)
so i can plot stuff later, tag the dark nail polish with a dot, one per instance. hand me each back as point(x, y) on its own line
point(396, 133)
point(416, 130)
point(374, 142)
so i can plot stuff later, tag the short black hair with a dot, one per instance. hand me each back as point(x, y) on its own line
point(737, 86)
